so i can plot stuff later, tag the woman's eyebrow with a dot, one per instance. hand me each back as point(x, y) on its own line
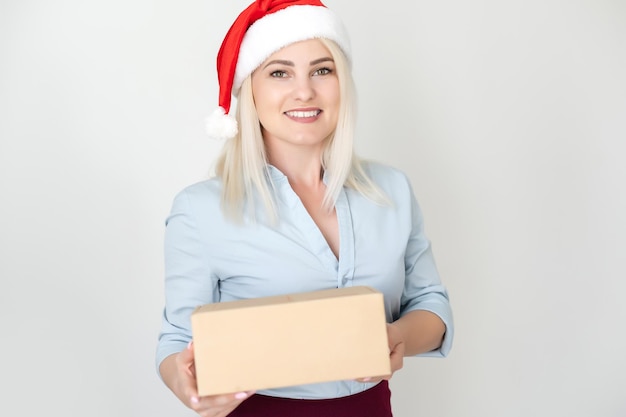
point(320, 60)
point(279, 61)
point(291, 64)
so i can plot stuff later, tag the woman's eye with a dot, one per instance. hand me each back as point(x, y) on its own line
point(278, 74)
point(323, 71)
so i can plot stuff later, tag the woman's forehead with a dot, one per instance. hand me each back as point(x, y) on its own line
point(307, 49)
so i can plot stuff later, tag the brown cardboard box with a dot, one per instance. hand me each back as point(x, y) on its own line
point(291, 339)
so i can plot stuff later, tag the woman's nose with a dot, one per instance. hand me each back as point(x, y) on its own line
point(303, 89)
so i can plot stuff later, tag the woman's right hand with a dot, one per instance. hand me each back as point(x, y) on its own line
point(179, 373)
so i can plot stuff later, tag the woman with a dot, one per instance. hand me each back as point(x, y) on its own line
point(291, 209)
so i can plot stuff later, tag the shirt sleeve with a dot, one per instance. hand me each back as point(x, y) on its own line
point(189, 281)
point(423, 289)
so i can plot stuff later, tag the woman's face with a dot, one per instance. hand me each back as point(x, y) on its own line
point(296, 94)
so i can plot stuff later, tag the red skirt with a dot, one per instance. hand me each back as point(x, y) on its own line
point(374, 402)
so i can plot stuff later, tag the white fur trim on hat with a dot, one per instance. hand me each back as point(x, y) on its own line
point(284, 27)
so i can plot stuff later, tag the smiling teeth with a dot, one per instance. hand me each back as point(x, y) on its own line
point(303, 113)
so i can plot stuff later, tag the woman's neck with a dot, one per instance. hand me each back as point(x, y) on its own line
point(301, 166)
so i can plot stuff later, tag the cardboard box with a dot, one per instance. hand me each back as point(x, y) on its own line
point(292, 339)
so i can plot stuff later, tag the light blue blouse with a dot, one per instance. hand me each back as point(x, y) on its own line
point(209, 259)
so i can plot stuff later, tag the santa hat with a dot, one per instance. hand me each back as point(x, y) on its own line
point(260, 30)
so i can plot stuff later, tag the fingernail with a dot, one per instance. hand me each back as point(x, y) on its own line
point(241, 395)
point(367, 379)
point(195, 400)
point(189, 344)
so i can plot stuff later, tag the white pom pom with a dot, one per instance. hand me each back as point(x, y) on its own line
point(220, 125)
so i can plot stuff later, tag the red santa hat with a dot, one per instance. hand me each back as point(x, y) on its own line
point(260, 30)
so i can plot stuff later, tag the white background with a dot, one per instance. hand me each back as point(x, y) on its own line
point(508, 116)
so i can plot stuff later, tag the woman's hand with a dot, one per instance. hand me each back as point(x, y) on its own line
point(416, 332)
point(179, 373)
point(396, 353)
point(396, 348)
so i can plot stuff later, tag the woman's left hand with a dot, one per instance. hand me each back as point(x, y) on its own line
point(396, 353)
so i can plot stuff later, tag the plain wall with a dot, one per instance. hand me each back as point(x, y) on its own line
point(509, 118)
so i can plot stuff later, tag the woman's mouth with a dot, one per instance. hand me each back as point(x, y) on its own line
point(303, 115)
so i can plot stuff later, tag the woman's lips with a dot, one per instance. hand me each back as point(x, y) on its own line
point(303, 116)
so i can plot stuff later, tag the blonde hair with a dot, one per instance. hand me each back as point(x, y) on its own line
point(243, 165)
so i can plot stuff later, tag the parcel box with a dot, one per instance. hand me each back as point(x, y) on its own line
point(292, 339)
